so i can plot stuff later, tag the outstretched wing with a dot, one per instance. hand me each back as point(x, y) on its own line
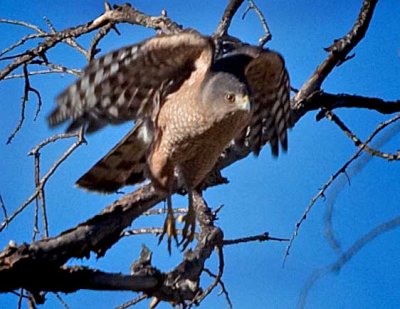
point(265, 74)
point(132, 82)
point(268, 80)
point(123, 165)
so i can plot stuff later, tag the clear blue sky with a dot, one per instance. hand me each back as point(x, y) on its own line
point(265, 194)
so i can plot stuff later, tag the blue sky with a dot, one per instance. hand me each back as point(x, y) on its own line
point(264, 194)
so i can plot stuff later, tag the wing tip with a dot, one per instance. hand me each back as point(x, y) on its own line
point(104, 186)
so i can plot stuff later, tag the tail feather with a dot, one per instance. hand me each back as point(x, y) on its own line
point(124, 165)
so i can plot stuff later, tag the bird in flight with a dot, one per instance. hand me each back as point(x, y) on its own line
point(188, 106)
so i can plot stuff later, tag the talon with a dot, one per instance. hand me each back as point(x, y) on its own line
point(189, 228)
point(169, 228)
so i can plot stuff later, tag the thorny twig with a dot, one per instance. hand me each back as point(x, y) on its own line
point(341, 170)
point(357, 142)
point(356, 168)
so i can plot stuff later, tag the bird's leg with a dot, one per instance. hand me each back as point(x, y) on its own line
point(169, 225)
point(188, 231)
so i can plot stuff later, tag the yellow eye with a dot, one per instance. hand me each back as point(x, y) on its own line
point(230, 97)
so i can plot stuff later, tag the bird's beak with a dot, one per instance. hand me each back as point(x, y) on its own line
point(244, 103)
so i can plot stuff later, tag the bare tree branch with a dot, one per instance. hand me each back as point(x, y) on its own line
point(262, 237)
point(267, 33)
point(321, 99)
point(25, 97)
point(337, 54)
point(45, 258)
point(80, 140)
point(132, 302)
point(120, 14)
point(224, 24)
point(342, 169)
point(357, 142)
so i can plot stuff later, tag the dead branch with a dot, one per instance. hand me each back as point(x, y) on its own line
point(132, 302)
point(45, 257)
point(262, 237)
point(267, 33)
point(357, 142)
point(35, 152)
point(25, 97)
point(223, 288)
point(338, 52)
point(329, 101)
point(224, 24)
point(341, 170)
point(23, 264)
point(70, 279)
point(119, 14)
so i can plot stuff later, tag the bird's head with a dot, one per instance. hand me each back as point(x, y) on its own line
point(224, 94)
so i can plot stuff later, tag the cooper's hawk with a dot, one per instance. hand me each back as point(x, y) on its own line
point(187, 105)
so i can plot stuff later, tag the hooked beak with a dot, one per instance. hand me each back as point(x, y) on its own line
point(244, 103)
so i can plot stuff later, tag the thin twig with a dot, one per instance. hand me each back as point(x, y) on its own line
point(346, 257)
point(150, 230)
point(27, 88)
point(132, 302)
point(223, 288)
point(340, 184)
point(267, 33)
point(221, 264)
point(374, 152)
point(22, 42)
point(23, 105)
point(93, 50)
point(262, 237)
point(80, 140)
point(37, 199)
point(22, 23)
point(162, 211)
point(62, 301)
point(3, 208)
point(341, 170)
point(121, 14)
point(45, 72)
point(70, 41)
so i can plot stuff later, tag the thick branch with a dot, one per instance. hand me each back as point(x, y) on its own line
point(332, 101)
point(73, 279)
point(89, 236)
